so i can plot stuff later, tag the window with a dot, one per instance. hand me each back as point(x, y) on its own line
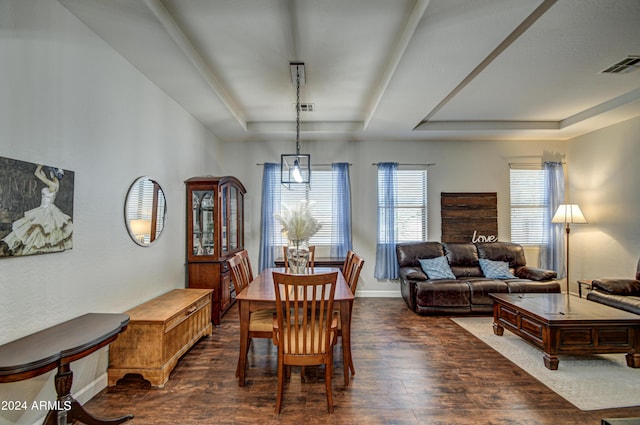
point(529, 204)
point(410, 208)
point(402, 214)
point(331, 194)
point(319, 192)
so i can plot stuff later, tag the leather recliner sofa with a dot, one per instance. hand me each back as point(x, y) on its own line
point(619, 293)
point(468, 292)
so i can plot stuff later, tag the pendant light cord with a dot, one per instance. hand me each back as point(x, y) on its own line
point(297, 110)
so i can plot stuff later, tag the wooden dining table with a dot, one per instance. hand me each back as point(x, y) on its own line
point(260, 294)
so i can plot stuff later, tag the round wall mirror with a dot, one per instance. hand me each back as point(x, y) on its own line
point(145, 211)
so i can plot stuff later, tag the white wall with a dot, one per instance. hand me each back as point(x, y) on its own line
point(603, 179)
point(68, 100)
point(460, 167)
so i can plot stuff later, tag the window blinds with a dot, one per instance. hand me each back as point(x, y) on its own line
point(411, 207)
point(528, 206)
point(320, 194)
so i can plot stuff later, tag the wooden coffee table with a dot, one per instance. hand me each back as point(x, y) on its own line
point(561, 324)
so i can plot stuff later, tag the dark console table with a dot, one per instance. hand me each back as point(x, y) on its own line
point(57, 347)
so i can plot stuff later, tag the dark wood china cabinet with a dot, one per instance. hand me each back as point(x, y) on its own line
point(215, 232)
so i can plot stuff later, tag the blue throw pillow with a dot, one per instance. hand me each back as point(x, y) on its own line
point(437, 268)
point(495, 269)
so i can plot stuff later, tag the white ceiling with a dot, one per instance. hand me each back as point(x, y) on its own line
point(383, 69)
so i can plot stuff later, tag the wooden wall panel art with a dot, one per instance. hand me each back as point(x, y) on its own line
point(469, 217)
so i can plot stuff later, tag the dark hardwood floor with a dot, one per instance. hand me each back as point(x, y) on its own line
point(409, 370)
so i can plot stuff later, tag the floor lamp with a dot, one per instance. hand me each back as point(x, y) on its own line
point(567, 214)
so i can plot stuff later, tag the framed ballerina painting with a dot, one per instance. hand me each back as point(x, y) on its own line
point(36, 208)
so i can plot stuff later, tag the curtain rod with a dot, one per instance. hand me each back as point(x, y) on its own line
point(413, 165)
point(520, 164)
point(313, 164)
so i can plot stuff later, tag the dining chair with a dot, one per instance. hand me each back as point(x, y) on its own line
point(305, 329)
point(260, 321)
point(312, 257)
point(357, 262)
point(346, 266)
point(246, 264)
point(238, 274)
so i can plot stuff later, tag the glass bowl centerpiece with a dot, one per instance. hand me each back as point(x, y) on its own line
point(298, 226)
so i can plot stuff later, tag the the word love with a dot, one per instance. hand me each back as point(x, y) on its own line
point(483, 238)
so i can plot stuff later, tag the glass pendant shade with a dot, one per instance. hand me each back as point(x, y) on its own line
point(295, 169)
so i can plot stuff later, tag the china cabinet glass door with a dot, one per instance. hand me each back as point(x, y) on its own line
point(233, 219)
point(225, 219)
point(203, 236)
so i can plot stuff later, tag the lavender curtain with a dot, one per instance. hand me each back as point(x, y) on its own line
point(553, 253)
point(386, 260)
point(270, 201)
point(341, 210)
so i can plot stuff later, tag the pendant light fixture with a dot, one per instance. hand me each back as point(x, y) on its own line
point(296, 168)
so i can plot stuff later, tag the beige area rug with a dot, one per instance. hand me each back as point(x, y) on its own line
point(590, 382)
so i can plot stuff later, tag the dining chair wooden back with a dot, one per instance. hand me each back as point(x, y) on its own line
point(357, 262)
point(238, 275)
point(306, 329)
point(351, 273)
point(346, 266)
point(312, 257)
point(260, 321)
point(246, 264)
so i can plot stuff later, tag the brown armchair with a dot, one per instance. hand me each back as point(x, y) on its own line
point(620, 293)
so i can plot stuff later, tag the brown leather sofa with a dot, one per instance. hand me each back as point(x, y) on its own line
point(619, 293)
point(468, 292)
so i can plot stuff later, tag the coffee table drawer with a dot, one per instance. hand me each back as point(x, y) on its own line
point(520, 324)
point(576, 337)
point(531, 327)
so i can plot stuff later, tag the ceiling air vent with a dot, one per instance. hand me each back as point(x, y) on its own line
point(306, 107)
point(626, 65)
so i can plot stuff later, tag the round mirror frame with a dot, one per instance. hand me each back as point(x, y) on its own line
point(145, 204)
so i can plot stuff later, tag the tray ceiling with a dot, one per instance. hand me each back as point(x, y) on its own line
point(383, 70)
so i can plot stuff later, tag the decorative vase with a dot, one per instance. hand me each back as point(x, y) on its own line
point(298, 256)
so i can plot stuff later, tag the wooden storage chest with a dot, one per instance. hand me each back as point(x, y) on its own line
point(160, 331)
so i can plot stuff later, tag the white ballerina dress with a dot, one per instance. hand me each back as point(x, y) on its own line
point(42, 229)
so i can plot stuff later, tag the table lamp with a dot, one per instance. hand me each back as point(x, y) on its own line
point(140, 228)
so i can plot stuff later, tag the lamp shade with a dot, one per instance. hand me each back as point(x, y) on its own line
point(568, 213)
point(140, 227)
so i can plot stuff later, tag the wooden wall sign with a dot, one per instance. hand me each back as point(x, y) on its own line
point(469, 217)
